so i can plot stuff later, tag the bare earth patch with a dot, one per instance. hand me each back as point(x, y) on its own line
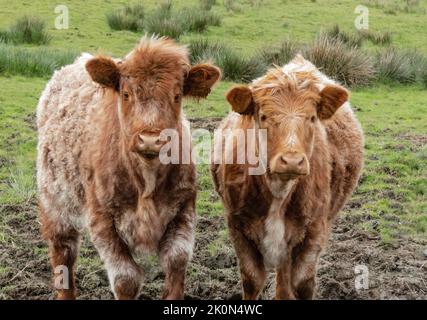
point(398, 272)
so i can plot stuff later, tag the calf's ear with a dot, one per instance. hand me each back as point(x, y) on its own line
point(200, 79)
point(104, 71)
point(241, 100)
point(331, 98)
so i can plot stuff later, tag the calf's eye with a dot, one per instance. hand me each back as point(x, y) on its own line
point(126, 96)
point(313, 119)
point(263, 117)
point(177, 98)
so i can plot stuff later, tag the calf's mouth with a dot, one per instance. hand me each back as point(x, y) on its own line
point(149, 155)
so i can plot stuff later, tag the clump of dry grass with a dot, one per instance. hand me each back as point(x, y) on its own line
point(280, 54)
point(378, 37)
point(393, 65)
point(234, 66)
point(353, 40)
point(335, 58)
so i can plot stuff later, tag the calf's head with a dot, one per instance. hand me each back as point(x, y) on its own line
point(150, 83)
point(289, 106)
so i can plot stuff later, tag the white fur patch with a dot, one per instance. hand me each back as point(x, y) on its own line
point(179, 247)
point(274, 243)
point(119, 268)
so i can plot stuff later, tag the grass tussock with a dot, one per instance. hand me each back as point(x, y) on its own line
point(403, 67)
point(233, 6)
point(280, 54)
point(353, 40)
point(28, 29)
point(130, 17)
point(378, 37)
point(165, 20)
point(235, 67)
point(198, 20)
point(22, 187)
point(349, 65)
point(424, 79)
point(32, 62)
point(207, 4)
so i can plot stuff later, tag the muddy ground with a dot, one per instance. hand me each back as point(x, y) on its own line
point(396, 271)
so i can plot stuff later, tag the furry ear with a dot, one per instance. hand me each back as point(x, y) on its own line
point(331, 98)
point(241, 100)
point(200, 80)
point(104, 71)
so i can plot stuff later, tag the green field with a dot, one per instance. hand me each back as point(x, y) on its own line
point(389, 206)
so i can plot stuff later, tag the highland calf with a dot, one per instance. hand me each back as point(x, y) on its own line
point(281, 220)
point(99, 122)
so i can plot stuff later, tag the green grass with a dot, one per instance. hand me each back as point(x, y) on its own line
point(33, 62)
point(18, 98)
point(253, 28)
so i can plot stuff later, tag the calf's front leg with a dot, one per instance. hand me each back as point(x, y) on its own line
point(305, 262)
point(284, 290)
point(63, 241)
point(124, 274)
point(251, 263)
point(176, 248)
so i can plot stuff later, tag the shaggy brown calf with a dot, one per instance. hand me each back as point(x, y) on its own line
point(99, 124)
point(281, 220)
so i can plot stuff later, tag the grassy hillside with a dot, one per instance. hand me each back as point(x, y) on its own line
point(390, 203)
point(255, 23)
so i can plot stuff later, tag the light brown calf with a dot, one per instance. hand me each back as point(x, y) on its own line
point(281, 220)
point(99, 123)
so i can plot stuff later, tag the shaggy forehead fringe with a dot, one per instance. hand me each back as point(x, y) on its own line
point(277, 79)
point(279, 83)
point(159, 52)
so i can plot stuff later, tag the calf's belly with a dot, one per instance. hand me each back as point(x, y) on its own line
point(143, 228)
